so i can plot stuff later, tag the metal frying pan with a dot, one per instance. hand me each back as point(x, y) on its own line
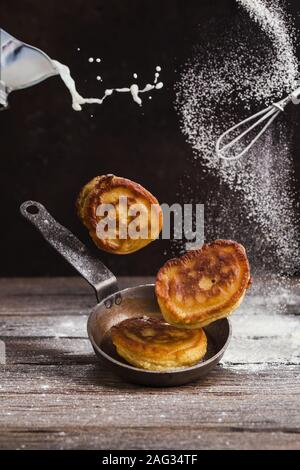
point(115, 306)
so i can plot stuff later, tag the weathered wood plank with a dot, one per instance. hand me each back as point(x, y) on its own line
point(54, 305)
point(257, 337)
point(95, 378)
point(222, 401)
point(64, 349)
point(43, 326)
point(39, 351)
point(53, 296)
point(48, 286)
point(74, 296)
point(73, 303)
point(55, 394)
point(200, 438)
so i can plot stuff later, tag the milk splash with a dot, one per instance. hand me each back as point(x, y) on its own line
point(78, 101)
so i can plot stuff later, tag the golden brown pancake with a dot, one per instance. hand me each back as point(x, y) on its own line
point(203, 285)
point(136, 213)
point(152, 344)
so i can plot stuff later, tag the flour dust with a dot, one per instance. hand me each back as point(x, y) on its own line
point(240, 66)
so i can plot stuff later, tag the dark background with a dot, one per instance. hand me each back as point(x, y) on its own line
point(48, 151)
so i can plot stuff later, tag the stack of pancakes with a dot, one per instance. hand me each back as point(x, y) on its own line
point(192, 291)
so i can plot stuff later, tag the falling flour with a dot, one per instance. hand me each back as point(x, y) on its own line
point(78, 101)
point(250, 63)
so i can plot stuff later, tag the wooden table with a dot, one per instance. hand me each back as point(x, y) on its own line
point(56, 395)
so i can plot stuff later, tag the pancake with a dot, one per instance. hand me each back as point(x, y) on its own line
point(119, 226)
point(152, 344)
point(203, 285)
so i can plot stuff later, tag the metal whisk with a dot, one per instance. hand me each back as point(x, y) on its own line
point(264, 117)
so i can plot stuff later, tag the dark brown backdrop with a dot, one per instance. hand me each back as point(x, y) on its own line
point(48, 151)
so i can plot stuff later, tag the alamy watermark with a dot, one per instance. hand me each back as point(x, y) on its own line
point(136, 221)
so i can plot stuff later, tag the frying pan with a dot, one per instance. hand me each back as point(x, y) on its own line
point(116, 305)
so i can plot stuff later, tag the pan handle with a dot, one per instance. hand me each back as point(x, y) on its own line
point(72, 249)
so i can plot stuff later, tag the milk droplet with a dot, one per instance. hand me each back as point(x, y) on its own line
point(135, 75)
point(78, 100)
point(134, 89)
point(98, 60)
point(158, 68)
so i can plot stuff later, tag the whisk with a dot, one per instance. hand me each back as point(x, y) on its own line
point(264, 117)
